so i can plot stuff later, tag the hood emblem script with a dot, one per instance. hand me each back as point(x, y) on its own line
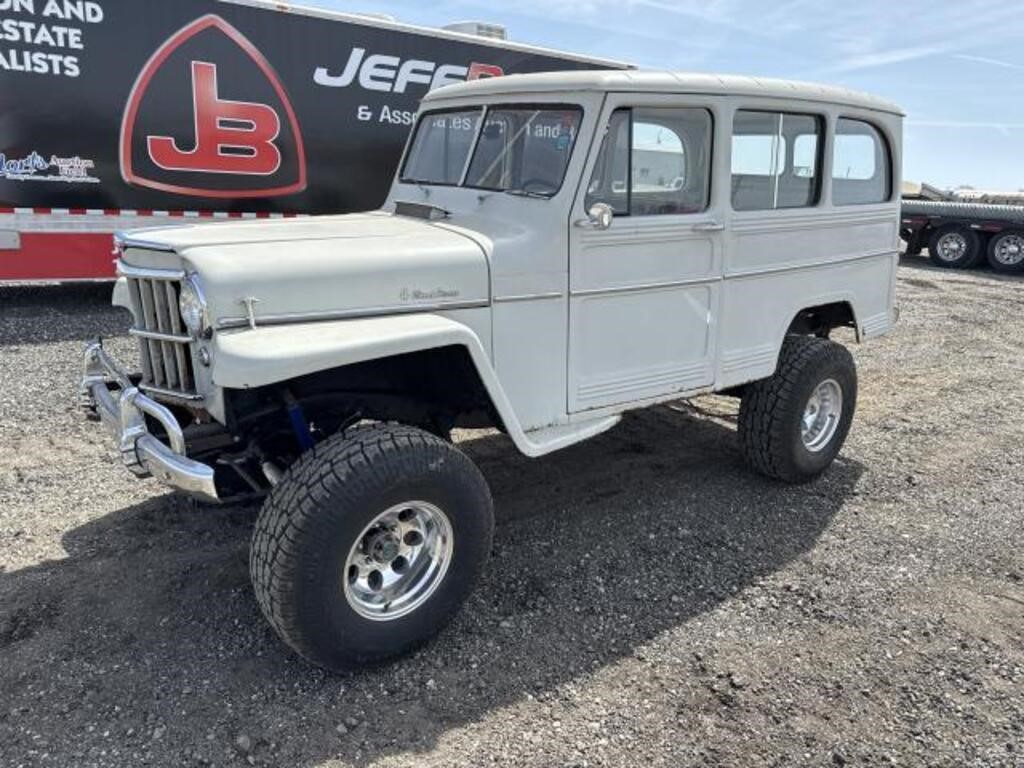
point(418, 294)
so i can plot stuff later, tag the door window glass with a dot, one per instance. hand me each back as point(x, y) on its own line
point(609, 182)
point(654, 161)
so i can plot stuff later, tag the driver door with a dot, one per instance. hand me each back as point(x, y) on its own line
point(644, 291)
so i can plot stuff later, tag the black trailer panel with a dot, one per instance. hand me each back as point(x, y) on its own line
point(208, 105)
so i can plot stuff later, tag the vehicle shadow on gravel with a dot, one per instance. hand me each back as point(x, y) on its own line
point(148, 629)
point(34, 314)
point(982, 270)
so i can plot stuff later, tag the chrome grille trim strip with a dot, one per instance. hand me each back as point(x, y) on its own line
point(171, 338)
point(191, 397)
point(146, 273)
point(225, 323)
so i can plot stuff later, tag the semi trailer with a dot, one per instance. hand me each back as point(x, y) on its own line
point(962, 232)
point(120, 114)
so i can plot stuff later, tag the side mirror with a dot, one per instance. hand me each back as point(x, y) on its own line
point(600, 216)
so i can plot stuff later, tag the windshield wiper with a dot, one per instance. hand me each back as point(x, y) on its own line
point(527, 193)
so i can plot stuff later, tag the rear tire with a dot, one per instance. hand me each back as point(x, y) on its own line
point(370, 544)
point(793, 424)
point(1006, 252)
point(955, 246)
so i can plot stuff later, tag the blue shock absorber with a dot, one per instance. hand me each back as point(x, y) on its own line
point(299, 424)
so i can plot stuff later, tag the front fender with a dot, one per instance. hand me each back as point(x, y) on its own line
point(250, 358)
point(257, 357)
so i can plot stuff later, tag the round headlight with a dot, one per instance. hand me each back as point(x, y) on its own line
point(192, 307)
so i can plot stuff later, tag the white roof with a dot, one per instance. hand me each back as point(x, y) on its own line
point(664, 82)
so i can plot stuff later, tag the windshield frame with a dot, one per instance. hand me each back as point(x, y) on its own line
point(485, 110)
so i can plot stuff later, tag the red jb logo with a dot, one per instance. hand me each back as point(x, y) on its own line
point(231, 136)
point(233, 148)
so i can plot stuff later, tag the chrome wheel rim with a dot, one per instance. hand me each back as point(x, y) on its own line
point(951, 246)
point(821, 416)
point(398, 561)
point(1009, 250)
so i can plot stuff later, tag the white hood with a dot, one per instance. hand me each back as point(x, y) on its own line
point(372, 262)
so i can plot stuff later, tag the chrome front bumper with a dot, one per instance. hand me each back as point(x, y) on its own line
point(123, 409)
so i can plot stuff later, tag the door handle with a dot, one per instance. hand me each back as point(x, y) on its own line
point(709, 226)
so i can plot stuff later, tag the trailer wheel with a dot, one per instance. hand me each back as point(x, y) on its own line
point(1006, 252)
point(955, 246)
point(369, 544)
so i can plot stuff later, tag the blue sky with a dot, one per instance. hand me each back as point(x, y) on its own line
point(954, 65)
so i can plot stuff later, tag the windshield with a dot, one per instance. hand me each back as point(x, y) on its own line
point(518, 149)
point(441, 146)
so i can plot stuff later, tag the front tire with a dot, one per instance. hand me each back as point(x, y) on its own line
point(1006, 252)
point(370, 544)
point(793, 424)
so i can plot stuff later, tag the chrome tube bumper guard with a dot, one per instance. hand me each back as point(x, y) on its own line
point(124, 410)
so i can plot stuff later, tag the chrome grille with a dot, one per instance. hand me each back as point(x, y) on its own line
point(164, 343)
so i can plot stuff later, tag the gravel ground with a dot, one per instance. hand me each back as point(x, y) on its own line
point(650, 601)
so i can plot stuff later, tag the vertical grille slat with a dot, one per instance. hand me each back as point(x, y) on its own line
point(182, 355)
point(163, 324)
point(166, 365)
point(149, 318)
point(136, 299)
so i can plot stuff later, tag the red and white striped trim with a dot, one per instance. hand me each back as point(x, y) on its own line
point(77, 243)
point(142, 212)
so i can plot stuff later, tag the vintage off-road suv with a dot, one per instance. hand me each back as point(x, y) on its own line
point(556, 249)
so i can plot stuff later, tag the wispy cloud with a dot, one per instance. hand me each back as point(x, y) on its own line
point(883, 58)
point(990, 62)
point(828, 38)
point(1006, 129)
point(962, 124)
point(790, 38)
point(869, 35)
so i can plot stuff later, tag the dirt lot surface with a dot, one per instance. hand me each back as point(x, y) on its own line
point(650, 601)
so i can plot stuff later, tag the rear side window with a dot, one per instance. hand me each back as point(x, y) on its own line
point(758, 154)
point(776, 160)
point(654, 161)
point(861, 164)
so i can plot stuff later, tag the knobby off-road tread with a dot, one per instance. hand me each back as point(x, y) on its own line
point(762, 420)
point(348, 460)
